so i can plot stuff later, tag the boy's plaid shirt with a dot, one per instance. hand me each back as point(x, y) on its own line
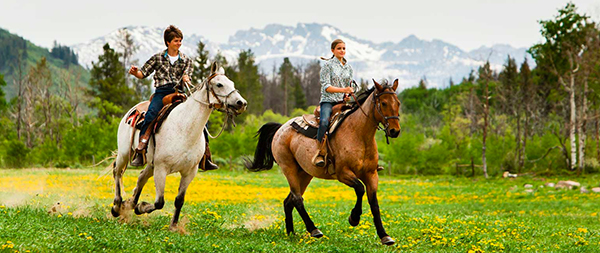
point(165, 72)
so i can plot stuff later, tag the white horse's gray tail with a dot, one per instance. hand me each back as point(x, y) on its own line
point(263, 156)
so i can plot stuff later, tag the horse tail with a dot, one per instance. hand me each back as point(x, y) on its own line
point(263, 156)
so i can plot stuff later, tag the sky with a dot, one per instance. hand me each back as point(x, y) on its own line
point(468, 24)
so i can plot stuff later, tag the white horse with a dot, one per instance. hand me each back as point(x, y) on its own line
point(179, 143)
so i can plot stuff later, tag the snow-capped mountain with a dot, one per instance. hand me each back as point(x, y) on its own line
point(408, 60)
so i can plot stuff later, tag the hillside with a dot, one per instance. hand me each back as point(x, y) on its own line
point(11, 44)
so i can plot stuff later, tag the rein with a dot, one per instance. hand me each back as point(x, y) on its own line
point(358, 103)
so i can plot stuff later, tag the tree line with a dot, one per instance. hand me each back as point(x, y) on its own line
point(518, 119)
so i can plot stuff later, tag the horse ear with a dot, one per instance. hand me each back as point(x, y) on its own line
point(377, 85)
point(214, 67)
point(395, 85)
point(221, 71)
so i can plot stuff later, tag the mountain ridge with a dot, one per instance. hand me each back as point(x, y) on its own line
point(409, 59)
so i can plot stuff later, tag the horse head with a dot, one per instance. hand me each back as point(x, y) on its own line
point(387, 106)
point(221, 92)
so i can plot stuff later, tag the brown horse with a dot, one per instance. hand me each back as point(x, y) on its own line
point(354, 151)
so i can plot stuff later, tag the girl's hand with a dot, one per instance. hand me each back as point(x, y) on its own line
point(346, 97)
point(349, 90)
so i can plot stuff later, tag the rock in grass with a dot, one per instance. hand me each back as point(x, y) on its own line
point(549, 185)
point(596, 189)
point(528, 186)
point(567, 184)
point(584, 190)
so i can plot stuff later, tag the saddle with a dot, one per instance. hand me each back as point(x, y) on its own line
point(136, 117)
point(336, 109)
point(308, 125)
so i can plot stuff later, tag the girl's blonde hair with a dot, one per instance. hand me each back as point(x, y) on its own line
point(333, 45)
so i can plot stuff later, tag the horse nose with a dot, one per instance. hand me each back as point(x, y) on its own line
point(241, 104)
point(394, 133)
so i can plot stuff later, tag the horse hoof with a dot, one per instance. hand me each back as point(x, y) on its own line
point(137, 210)
point(387, 240)
point(316, 233)
point(114, 212)
point(352, 222)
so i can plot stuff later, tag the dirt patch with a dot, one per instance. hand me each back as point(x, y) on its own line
point(260, 218)
point(15, 199)
point(181, 226)
point(259, 221)
point(126, 211)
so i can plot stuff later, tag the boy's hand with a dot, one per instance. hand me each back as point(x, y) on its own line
point(133, 70)
point(186, 78)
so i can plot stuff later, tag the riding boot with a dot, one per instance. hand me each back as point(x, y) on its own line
point(139, 158)
point(207, 160)
point(379, 168)
point(319, 159)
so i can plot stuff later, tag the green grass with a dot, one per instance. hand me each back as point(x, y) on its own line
point(423, 214)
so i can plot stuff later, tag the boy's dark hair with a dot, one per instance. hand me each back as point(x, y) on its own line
point(172, 32)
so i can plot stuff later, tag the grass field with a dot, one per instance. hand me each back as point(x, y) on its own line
point(68, 210)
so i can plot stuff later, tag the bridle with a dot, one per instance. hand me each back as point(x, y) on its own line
point(220, 105)
point(385, 121)
point(377, 108)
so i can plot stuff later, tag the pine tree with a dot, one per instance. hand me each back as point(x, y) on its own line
point(141, 87)
point(298, 95)
point(107, 83)
point(248, 81)
point(312, 83)
point(529, 105)
point(289, 81)
point(3, 104)
point(201, 64)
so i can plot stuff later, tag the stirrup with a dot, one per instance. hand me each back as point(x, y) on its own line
point(208, 165)
point(139, 159)
point(319, 161)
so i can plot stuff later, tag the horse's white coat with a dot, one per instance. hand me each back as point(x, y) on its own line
point(180, 143)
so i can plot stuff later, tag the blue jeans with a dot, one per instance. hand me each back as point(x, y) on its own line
point(324, 118)
point(155, 105)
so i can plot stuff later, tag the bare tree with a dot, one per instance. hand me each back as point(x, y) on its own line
point(485, 75)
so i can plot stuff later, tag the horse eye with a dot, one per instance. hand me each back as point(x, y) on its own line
point(384, 104)
point(219, 85)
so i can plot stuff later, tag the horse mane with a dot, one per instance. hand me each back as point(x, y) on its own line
point(198, 86)
point(361, 98)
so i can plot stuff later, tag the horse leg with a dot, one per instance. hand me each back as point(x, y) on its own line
point(119, 167)
point(186, 179)
point(160, 177)
point(145, 174)
point(298, 182)
point(288, 208)
point(371, 181)
point(348, 178)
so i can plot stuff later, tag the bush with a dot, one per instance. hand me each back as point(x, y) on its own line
point(16, 154)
